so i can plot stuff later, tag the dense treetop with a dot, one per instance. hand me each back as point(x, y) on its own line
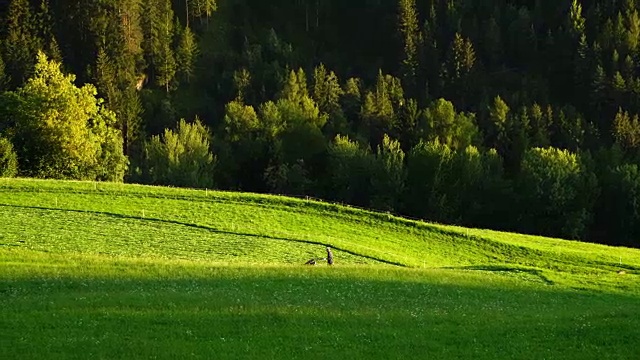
point(516, 115)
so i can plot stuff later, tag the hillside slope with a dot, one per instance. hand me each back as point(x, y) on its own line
point(219, 227)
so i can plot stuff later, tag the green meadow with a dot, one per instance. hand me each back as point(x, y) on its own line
point(99, 270)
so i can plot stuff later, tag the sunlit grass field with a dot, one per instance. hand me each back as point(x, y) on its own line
point(95, 270)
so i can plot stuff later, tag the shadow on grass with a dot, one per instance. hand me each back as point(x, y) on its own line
point(301, 313)
point(506, 268)
point(207, 228)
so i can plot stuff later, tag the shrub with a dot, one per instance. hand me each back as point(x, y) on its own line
point(181, 157)
point(8, 159)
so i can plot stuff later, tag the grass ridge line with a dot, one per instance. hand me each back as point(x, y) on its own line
point(207, 228)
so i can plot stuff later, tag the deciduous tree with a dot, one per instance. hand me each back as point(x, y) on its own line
point(182, 157)
point(62, 131)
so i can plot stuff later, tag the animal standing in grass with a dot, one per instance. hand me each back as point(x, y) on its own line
point(329, 256)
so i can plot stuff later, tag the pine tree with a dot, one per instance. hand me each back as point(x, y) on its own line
point(117, 68)
point(202, 8)
point(129, 17)
point(409, 30)
point(186, 54)
point(3, 76)
point(498, 114)
point(21, 44)
point(241, 83)
point(158, 41)
point(44, 27)
point(295, 89)
point(106, 80)
point(378, 109)
point(539, 129)
point(582, 71)
point(576, 20)
point(457, 69)
point(166, 64)
point(493, 43)
point(626, 130)
point(326, 90)
point(633, 30)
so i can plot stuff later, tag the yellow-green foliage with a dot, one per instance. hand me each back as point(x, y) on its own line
point(182, 157)
point(8, 159)
point(63, 131)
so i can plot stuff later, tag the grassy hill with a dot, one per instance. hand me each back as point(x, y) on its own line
point(120, 271)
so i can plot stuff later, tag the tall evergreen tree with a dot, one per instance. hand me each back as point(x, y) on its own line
point(498, 114)
point(378, 109)
point(576, 22)
point(326, 90)
point(457, 69)
point(21, 43)
point(43, 22)
point(4, 81)
point(186, 53)
point(409, 31)
point(166, 63)
point(158, 28)
point(326, 93)
point(118, 67)
point(202, 8)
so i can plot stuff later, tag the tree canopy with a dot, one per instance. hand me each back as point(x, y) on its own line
point(62, 131)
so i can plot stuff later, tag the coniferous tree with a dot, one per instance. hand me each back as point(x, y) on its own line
point(352, 98)
point(626, 130)
point(576, 22)
point(242, 84)
point(43, 25)
point(105, 76)
point(21, 43)
point(409, 31)
point(326, 90)
point(202, 8)
point(4, 81)
point(327, 93)
point(457, 70)
point(378, 109)
point(158, 29)
point(186, 54)
point(493, 47)
point(539, 134)
point(498, 114)
point(165, 59)
point(118, 68)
